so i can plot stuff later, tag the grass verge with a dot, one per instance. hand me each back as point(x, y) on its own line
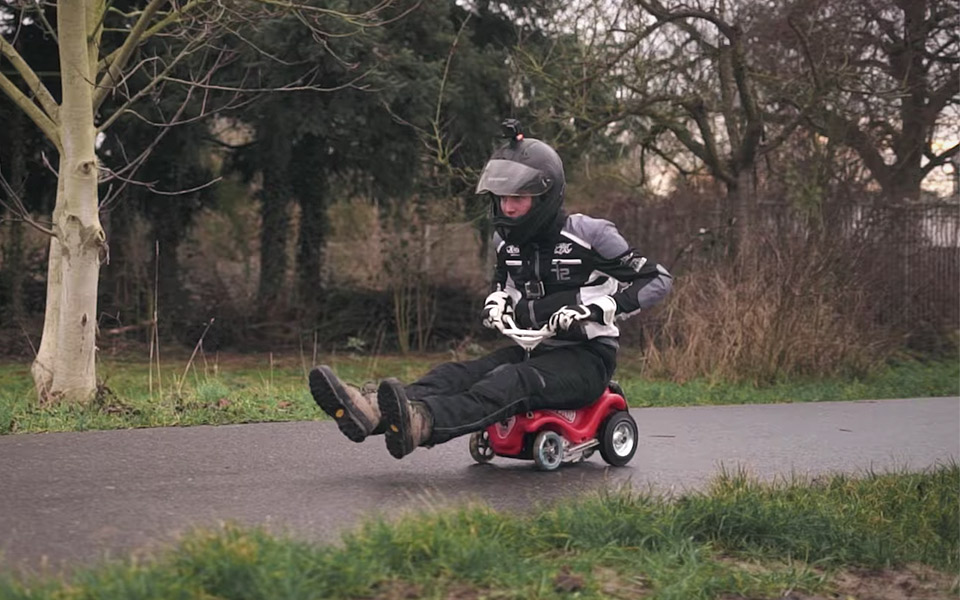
point(905, 379)
point(258, 389)
point(738, 539)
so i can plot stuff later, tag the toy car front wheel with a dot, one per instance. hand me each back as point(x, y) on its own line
point(548, 450)
point(480, 448)
point(618, 439)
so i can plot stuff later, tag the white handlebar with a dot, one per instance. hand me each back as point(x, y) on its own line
point(528, 339)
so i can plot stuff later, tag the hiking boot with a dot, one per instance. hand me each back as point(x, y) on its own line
point(354, 410)
point(407, 424)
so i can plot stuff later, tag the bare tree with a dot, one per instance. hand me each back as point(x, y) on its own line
point(92, 77)
point(678, 82)
point(892, 73)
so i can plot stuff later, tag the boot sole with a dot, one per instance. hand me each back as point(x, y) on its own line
point(332, 398)
point(396, 416)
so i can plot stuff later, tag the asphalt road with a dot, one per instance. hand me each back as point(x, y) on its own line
point(68, 499)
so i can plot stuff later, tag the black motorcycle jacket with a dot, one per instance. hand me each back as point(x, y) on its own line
point(582, 260)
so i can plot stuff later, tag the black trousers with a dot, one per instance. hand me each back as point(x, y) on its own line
point(464, 397)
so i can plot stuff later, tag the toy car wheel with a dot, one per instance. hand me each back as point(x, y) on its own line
point(548, 450)
point(618, 439)
point(480, 448)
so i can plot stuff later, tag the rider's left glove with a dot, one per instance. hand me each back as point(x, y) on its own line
point(495, 307)
point(600, 310)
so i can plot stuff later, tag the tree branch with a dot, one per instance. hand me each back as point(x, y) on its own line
point(19, 210)
point(939, 159)
point(625, 49)
point(123, 54)
point(39, 118)
point(358, 19)
point(787, 129)
point(848, 133)
point(939, 97)
point(48, 28)
point(753, 132)
point(150, 184)
point(659, 11)
point(669, 159)
point(33, 82)
point(700, 151)
point(188, 49)
point(444, 151)
point(117, 56)
point(804, 113)
point(725, 73)
point(285, 88)
point(152, 31)
point(136, 163)
point(710, 154)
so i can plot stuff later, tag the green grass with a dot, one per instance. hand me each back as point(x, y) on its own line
point(740, 538)
point(907, 379)
point(234, 390)
point(262, 388)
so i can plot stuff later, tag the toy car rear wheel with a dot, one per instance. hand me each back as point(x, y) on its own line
point(480, 448)
point(618, 439)
point(548, 450)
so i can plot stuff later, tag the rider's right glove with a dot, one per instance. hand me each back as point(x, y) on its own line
point(566, 316)
point(495, 307)
point(600, 310)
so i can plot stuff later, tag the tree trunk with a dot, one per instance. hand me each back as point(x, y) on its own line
point(65, 365)
point(43, 365)
point(311, 190)
point(15, 267)
point(275, 227)
point(742, 211)
point(14, 249)
point(169, 227)
point(914, 118)
point(123, 287)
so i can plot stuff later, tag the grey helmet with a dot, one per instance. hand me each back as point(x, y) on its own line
point(524, 166)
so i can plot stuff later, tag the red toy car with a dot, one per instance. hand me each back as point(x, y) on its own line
point(552, 437)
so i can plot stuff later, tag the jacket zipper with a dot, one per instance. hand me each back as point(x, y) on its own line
point(536, 261)
point(536, 274)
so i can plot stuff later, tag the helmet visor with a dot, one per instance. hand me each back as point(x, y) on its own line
point(508, 178)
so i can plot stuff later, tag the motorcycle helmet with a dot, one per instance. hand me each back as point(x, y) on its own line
point(522, 167)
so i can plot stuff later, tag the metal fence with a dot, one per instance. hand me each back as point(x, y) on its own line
point(906, 258)
point(909, 254)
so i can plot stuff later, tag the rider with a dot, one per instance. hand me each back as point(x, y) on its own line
point(572, 273)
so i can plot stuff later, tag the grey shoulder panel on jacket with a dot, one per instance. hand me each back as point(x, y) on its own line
point(599, 234)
